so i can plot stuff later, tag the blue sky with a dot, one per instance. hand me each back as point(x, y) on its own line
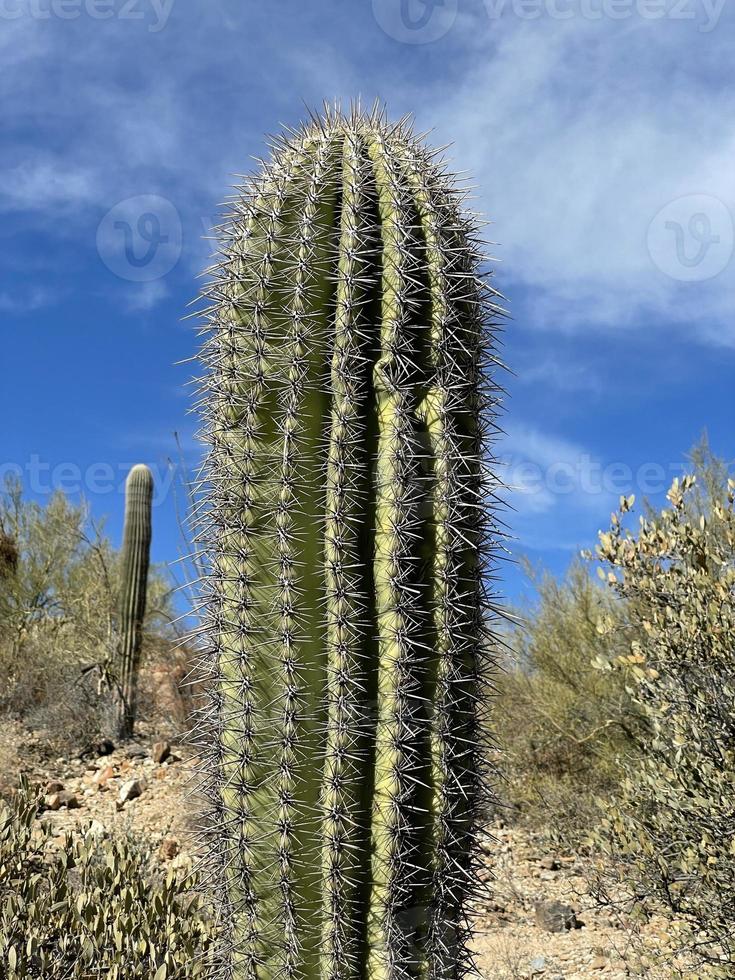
point(598, 135)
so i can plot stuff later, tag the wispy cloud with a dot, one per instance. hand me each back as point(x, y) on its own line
point(43, 185)
point(32, 299)
point(580, 133)
point(545, 471)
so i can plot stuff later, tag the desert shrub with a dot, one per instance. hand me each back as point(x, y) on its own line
point(561, 724)
point(57, 617)
point(93, 907)
point(672, 825)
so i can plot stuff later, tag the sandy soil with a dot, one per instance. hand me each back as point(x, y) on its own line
point(522, 874)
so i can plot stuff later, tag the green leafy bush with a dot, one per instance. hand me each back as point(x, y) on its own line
point(672, 826)
point(561, 724)
point(93, 907)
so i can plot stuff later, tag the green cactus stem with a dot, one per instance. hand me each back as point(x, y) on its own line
point(135, 560)
point(348, 521)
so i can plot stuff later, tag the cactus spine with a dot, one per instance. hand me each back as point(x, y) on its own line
point(346, 517)
point(135, 560)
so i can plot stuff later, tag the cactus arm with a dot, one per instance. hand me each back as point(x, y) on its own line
point(135, 560)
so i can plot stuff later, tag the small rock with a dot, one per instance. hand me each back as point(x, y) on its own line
point(549, 863)
point(55, 801)
point(599, 963)
point(105, 746)
point(102, 777)
point(538, 965)
point(169, 849)
point(160, 751)
point(134, 751)
point(53, 786)
point(129, 790)
point(555, 917)
point(96, 830)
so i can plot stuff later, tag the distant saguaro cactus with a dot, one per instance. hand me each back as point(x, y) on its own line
point(132, 600)
point(348, 523)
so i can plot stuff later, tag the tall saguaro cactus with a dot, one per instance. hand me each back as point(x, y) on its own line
point(348, 522)
point(133, 588)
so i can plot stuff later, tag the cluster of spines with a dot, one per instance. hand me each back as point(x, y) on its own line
point(352, 248)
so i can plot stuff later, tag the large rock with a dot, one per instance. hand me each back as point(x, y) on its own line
point(555, 917)
point(130, 790)
point(55, 801)
point(105, 746)
point(103, 776)
point(160, 751)
point(96, 830)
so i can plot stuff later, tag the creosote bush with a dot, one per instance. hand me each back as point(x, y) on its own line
point(672, 824)
point(561, 725)
point(91, 908)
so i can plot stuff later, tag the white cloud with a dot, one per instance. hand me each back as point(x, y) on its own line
point(577, 131)
point(560, 492)
point(545, 471)
point(579, 134)
point(141, 296)
point(46, 185)
point(33, 299)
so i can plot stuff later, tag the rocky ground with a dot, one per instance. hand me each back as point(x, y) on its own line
point(541, 920)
